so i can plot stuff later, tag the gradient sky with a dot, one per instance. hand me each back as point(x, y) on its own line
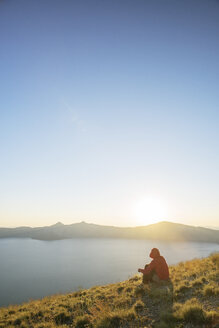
point(105, 104)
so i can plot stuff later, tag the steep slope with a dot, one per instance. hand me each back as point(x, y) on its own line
point(188, 300)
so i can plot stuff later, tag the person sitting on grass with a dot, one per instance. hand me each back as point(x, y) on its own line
point(157, 270)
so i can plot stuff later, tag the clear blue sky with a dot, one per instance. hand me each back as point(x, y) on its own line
point(105, 104)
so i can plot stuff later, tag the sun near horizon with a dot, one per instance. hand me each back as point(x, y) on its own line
point(149, 210)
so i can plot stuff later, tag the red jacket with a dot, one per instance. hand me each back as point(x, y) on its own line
point(158, 264)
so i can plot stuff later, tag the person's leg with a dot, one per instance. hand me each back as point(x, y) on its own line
point(155, 278)
point(147, 277)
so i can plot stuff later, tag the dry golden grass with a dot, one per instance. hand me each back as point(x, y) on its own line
point(188, 300)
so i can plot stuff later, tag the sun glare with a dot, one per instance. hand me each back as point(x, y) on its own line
point(149, 210)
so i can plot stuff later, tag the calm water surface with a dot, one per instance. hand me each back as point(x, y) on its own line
point(31, 269)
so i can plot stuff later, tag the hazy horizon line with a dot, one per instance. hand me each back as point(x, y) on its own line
point(105, 225)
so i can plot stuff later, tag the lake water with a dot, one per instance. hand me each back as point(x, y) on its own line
point(31, 269)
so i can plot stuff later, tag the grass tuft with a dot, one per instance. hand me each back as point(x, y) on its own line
point(211, 290)
point(191, 312)
point(83, 322)
point(139, 306)
point(63, 318)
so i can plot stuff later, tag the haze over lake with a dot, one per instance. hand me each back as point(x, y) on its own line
point(31, 269)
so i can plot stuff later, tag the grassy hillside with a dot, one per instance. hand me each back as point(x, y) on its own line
point(189, 300)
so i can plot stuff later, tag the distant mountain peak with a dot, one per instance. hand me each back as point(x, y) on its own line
point(58, 224)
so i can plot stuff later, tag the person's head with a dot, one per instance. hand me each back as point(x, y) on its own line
point(154, 253)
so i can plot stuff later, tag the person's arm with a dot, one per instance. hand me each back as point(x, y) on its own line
point(149, 268)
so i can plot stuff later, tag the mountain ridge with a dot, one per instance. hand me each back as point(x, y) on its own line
point(163, 231)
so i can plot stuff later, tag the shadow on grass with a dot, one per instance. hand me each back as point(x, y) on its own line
point(158, 304)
